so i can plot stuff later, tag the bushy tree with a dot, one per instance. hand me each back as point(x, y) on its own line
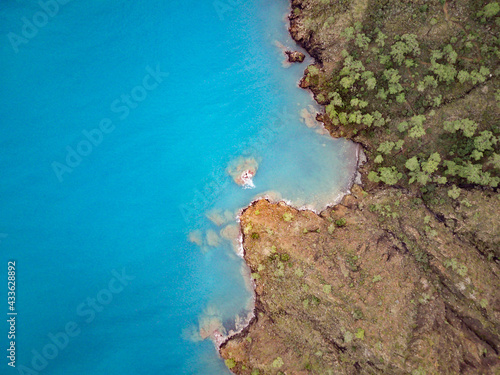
point(389, 175)
point(336, 99)
point(362, 41)
point(386, 147)
point(490, 10)
point(485, 141)
point(348, 33)
point(408, 44)
point(412, 164)
point(381, 94)
point(494, 160)
point(454, 192)
point(451, 55)
point(403, 126)
point(370, 80)
point(421, 172)
point(476, 155)
point(463, 76)
point(368, 119)
point(444, 72)
point(467, 126)
point(381, 37)
point(417, 126)
point(479, 76)
point(431, 165)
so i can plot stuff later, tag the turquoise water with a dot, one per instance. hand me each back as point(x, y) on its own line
point(158, 98)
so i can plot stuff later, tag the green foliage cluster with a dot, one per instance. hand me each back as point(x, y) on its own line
point(341, 222)
point(278, 362)
point(230, 363)
point(461, 269)
point(422, 171)
point(385, 75)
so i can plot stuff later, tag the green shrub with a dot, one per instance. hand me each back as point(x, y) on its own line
point(360, 334)
point(230, 363)
point(278, 362)
point(341, 222)
point(490, 10)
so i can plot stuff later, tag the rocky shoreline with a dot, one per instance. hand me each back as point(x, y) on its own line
point(384, 282)
point(293, 57)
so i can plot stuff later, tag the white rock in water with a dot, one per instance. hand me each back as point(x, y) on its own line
point(242, 170)
point(247, 177)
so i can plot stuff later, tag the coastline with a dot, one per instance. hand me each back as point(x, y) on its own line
point(434, 253)
point(221, 340)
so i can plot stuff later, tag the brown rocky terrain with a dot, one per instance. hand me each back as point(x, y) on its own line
point(402, 277)
point(295, 56)
point(361, 289)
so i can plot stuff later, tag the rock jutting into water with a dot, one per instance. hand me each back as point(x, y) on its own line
point(295, 56)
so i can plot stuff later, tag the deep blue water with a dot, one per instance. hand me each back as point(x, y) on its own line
point(179, 91)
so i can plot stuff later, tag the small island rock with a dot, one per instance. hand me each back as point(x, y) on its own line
point(295, 56)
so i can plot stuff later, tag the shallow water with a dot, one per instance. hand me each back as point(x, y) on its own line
point(132, 200)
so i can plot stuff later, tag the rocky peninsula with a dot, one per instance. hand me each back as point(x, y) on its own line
point(402, 277)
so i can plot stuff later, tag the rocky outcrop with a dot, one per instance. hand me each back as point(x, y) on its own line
point(295, 56)
point(399, 279)
point(361, 290)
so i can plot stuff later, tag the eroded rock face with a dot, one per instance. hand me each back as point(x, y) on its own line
point(363, 289)
point(295, 56)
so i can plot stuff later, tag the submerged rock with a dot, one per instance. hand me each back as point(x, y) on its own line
point(216, 216)
point(210, 324)
point(308, 116)
point(271, 195)
point(242, 170)
point(196, 237)
point(231, 232)
point(213, 238)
